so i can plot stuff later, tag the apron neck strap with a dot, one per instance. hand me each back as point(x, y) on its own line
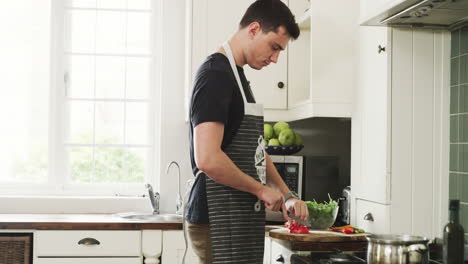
point(232, 62)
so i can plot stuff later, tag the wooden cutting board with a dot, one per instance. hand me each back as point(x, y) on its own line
point(316, 236)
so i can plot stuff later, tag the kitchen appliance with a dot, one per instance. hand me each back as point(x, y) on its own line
point(398, 249)
point(291, 169)
point(439, 14)
point(344, 212)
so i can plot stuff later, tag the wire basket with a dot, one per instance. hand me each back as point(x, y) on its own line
point(15, 249)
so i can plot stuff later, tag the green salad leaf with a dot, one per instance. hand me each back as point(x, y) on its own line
point(322, 215)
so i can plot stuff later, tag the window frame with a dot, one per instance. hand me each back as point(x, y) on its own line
point(58, 182)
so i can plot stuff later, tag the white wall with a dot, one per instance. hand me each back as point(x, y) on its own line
point(174, 130)
point(420, 139)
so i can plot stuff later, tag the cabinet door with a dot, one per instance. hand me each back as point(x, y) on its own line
point(174, 247)
point(374, 98)
point(267, 254)
point(213, 22)
point(88, 261)
point(280, 253)
point(87, 243)
point(373, 217)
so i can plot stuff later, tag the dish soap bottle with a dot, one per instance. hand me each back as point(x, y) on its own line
point(453, 236)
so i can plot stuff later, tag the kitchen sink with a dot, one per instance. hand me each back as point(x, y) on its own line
point(150, 217)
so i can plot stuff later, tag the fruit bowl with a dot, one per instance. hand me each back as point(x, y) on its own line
point(283, 150)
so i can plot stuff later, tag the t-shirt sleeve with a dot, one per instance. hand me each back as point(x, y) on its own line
point(211, 98)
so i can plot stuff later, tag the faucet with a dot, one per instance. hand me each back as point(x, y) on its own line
point(179, 202)
point(154, 198)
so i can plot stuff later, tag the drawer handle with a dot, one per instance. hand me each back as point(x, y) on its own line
point(369, 217)
point(89, 241)
point(279, 259)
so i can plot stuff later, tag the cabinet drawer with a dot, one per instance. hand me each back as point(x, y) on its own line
point(134, 260)
point(280, 253)
point(373, 217)
point(93, 243)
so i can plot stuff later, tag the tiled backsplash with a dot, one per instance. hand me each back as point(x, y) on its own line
point(459, 123)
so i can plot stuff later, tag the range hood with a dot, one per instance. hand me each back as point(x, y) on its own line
point(443, 14)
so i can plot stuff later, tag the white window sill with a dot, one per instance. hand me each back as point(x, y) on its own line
point(72, 204)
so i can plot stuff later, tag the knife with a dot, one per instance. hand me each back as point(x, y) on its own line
point(297, 219)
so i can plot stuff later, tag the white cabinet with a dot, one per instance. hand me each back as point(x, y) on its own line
point(87, 246)
point(322, 62)
point(173, 248)
point(373, 217)
point(116, 247)
point(373, 97)
point(212, 23)
point(96, 246)
point(88, 261)
point(88, 243)
point(318, 70)
point(399, 140)
point(267, 251)
point(280, 253)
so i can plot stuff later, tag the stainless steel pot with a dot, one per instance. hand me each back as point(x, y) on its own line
point(397, 249)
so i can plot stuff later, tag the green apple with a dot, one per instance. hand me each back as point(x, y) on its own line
point(287, 137)
point(267, 131)
point(273, 142)
point(298, 141)
point(280, 126)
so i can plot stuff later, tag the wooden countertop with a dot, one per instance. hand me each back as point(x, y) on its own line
point(79, 222)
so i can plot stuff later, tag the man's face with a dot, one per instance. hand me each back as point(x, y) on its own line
point(266, 47)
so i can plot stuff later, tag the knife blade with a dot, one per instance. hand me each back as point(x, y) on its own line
point(297, 219)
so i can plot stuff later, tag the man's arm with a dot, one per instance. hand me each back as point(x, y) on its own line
point(274, 180)
point(208, 137)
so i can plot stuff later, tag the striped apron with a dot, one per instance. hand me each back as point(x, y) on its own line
point(237, 219)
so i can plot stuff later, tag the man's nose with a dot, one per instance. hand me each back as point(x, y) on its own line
point(274, 57)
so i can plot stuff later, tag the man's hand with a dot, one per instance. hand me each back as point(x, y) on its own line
point(272, 198)
point(298, 208)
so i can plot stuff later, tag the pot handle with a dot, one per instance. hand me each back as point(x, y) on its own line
point(418, 248)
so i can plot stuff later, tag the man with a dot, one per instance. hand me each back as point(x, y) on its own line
point(226, 208)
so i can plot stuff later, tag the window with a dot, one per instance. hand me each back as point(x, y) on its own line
point(80, 111)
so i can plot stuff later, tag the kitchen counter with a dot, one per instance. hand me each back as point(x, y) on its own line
point(80, 222)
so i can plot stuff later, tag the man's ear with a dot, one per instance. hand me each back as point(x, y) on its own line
point(254, 28)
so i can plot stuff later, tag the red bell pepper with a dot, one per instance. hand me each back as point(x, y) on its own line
point(296, 228)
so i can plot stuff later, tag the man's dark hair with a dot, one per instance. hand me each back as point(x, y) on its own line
point(271, 14)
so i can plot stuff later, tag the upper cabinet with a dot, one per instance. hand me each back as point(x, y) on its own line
point(213, 22)
point(373, 115)
point(314, 77)
point(399, 131)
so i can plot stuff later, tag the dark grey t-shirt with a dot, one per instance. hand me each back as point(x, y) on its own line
point(215, 98)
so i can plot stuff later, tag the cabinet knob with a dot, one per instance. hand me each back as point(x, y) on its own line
point(280, 259)
point(281, 85)
point(381, 49)
point(369, 217)
point(89, 241)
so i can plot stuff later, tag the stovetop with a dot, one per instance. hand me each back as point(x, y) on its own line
point(329, 258)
